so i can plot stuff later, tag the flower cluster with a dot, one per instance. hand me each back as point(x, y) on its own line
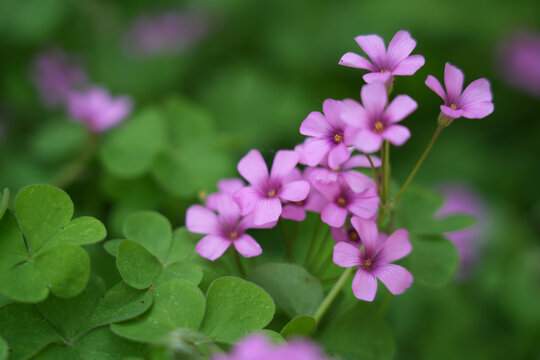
point(339, 140)
point(61, 82)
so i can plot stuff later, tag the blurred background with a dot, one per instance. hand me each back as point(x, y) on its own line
point(252, 71)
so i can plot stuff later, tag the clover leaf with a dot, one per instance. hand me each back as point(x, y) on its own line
point(47, 255)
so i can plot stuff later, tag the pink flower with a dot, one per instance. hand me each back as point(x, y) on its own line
point(266, 191)
point(375, 121)
point(460, 199)
point(55, 76)
point(474, 102)
point(356, 180)
point(327, 135)
point(385, 64)
point(374, 261)
point(97, 110)
point(222, 230)
point(342, 200)
point(347, 234)
point(225, 186)
point(314, 201)
point(519, 61)
point(257, 347)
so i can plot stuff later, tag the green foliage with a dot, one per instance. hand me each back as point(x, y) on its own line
point(359, 333)
point(58, 140)
point(299, 326)
point(4, 203)
point(49, 257)
point(3, 349)
point(294, 290)
point(234, 307)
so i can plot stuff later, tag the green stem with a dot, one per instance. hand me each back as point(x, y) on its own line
point(386, 178)
point(319, 313)
point(312, 243)
point(288, 243)
point(69, 173)
point(417, 166)
point(375, 173)
point(313, 261)
point(239, 263)
point(382, 194)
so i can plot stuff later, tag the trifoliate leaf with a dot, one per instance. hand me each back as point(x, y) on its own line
point(151, 230)
point(299, 326)
point(136, 265)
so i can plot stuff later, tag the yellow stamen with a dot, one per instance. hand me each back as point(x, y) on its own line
point(366, 264)
point(233, 235)
point(353, 235)
point(338, 138)
point(453, 106)
point(379, 128)
point(383, 71)
point(341, 201)
point(271, 193)
point(299, 203)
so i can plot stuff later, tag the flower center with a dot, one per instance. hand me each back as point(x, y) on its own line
point(299, 203)
point(453, 106)
point(338, 138)
point(379, 128)
point(353, 235)
point(233, 235)
point(341, 201)
point(366, 264)
point(271, 193)
point(383, 71)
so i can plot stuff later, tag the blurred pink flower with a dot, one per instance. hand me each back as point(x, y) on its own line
point(257, 347)
point(519, 61)
point(266, 191)
point(97, 109)
point(167, 33)
point(375, 121)
point(460, 199)
point(374, 261)
point(474, 102)
point(385, 63)
point(55, 76)
point(225, 186)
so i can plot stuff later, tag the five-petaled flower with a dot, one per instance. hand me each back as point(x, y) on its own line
point(385, 63)
point(474, 102)
point(374, 261)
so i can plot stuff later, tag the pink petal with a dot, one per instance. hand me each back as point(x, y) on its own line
point(397, 134)
point(315, 124)
point(453, 80)
point(315, 202)
point(368, 233)
point(253, 168)
point(212, 247)
point(477, 91)
point(332, 111)
point(293, 212)
point(329, 190)
point(361, 161)
point(401, 46)
point(478, 110)
point(315, 150)
point(228, 210)
point(365, 207)
point(395, 247)
point(346, 255)
point(357, 181)
point(367, 141)
point(364, 285)
point(375, 77)
point(333, 215)
point(409, 66)
point(401, 107)
point(353, 114)
point(266, 210)
point(448, 111)
point(284, 162)
point(230, 186)
point(339, 235)
point(201, 220)
point(294, 191)
point(373, 46)
point(435, 85)
point(247, 198)
point(338, 155)
point(356, 61)
point(396, 278)
point(374, 98)
point(324, 175)
point(247, 246)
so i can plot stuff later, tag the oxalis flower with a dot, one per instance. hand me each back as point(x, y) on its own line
point(374, 261)
point(266, 191)
point(313, 202)
point(473, 103)
point(222, 230)
point(225, 186)
point(342, 200)
point(385, 63)
point(97, 109)
point(375, 121)
point(327, 135)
